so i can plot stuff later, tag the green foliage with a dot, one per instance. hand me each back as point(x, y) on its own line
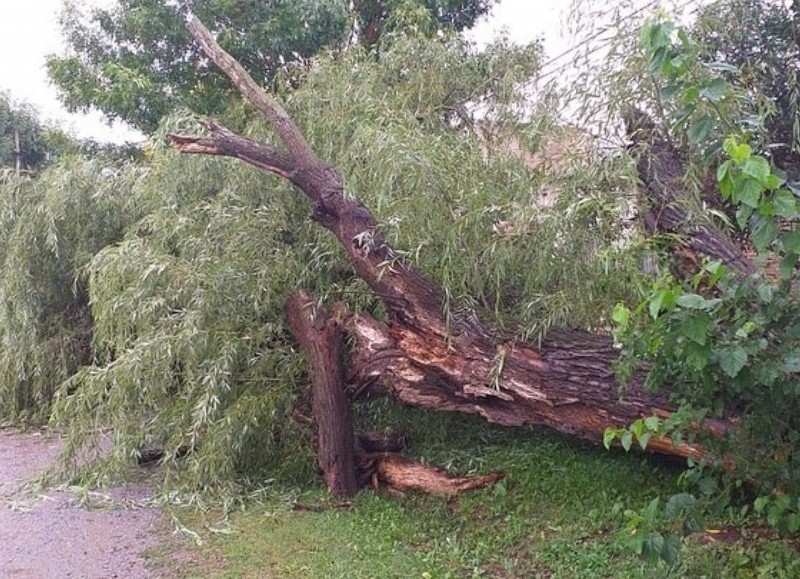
point(757, 42)
point(726, 343)
point(51, 227)
point(693, 98)
point(38, 143)
point(135, 60)
point(185, 346)
point(548, 518)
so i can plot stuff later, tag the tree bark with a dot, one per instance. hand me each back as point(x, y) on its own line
point(661, 171)
point(566, 383)
point(321, 340)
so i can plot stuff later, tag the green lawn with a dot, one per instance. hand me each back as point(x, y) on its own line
point(558, 513)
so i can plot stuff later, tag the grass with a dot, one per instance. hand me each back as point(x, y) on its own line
point(558, 513)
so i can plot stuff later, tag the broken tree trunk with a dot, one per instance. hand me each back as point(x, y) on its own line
point(661, 171)
point(321, 340)
point(566, 383)
point(346, 466)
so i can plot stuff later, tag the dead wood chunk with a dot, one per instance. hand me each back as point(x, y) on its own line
point(403, 474)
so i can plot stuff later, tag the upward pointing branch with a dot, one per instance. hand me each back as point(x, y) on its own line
point(290, 135)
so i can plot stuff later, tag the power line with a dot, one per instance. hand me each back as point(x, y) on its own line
point(594, 36)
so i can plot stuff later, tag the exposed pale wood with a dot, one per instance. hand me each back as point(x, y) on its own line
point(402, 474)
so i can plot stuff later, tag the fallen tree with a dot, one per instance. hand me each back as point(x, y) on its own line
point(566, 382)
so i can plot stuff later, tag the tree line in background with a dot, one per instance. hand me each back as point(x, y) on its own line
point(148, 294)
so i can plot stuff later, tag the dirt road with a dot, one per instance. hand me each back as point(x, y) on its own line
point(49, 534)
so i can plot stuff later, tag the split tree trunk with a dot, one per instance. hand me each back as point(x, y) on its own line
point(567, 383)
point(321, 340)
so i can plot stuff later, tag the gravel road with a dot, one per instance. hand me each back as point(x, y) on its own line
point(49, 534)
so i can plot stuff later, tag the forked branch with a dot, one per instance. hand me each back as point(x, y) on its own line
point(292, 139)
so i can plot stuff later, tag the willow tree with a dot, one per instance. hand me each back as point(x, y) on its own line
point(52, 225)
point(432, 359)
point(469, 277)
point(190, 343)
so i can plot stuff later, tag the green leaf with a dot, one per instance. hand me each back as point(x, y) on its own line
point(651, 548)
point(715, 90)
point(757, 168)
point(732, 359)
point(626, 440)
point(653, 423)
point(738, 152)
point(746, 330)
point(791, 362)
point(716, 269)
point(657, 59)
point(671, 549)
point(791, 242)
point(747, 191)
point(621, 315)
point(684, 113)
point(788, 264)
point(669, 91)
point(785, 203)
point(608, 437)
point(726, 186)
point(658, 35)
point(691, 96)
point(638, 428)
point(700, 130)
point(696, 302)
point(763, 231)
point(698, 357)
point(678, 505)
point(773, 181)
point(654, 305)
point(761, 503)
point(743, 215)
point(696, 328)
point(722, 170)
point(644, 439)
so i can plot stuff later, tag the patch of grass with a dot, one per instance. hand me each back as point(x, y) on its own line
point(556, 514)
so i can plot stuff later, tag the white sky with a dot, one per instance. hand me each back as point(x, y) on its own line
point(29, 31)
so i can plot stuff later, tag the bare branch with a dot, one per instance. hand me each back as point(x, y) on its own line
point(292, 139)
point(224, 142)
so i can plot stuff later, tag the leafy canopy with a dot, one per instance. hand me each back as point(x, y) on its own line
point(758, 43)
point(188, 347)
point(135, 61)
point(724, 344)
point(20, 126)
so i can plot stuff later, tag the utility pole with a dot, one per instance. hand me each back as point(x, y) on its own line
point(17, 152)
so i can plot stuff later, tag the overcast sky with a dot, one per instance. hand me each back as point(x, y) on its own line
point(29, 31)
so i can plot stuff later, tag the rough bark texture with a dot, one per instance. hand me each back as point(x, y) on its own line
point(661, 171)
point(321, 340)
point(567, 383)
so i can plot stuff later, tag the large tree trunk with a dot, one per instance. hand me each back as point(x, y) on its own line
point(321, 339)
point(671, 202)
point(567, 383)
